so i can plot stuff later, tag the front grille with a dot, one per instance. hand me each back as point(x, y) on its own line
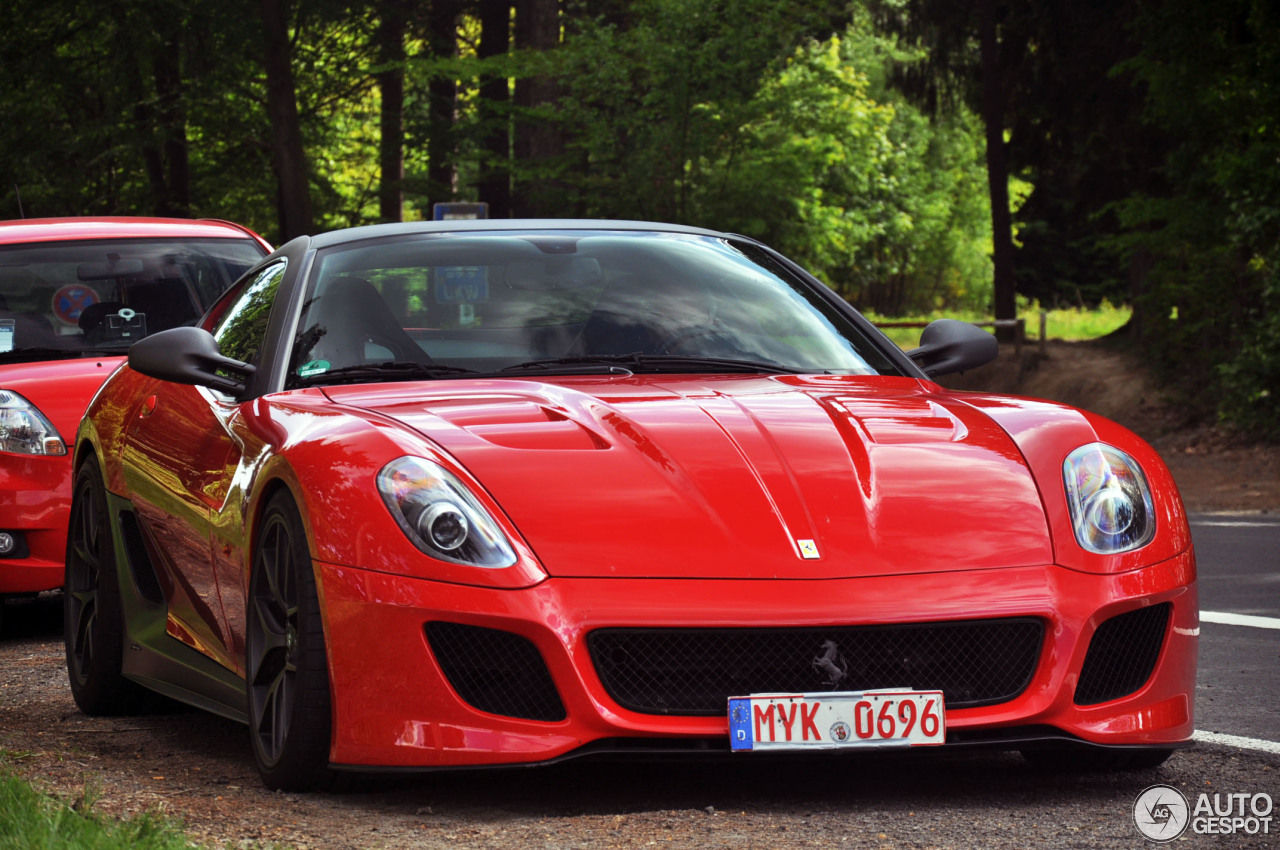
point(1122, 654)
point(496, 671)
point(695, 671)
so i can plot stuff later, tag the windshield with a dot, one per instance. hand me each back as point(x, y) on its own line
point(62, 299)
point(561, 301)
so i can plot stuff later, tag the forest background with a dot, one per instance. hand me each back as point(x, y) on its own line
point(917, 155)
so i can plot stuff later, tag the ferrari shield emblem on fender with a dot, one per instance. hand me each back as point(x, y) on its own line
point(808, 550)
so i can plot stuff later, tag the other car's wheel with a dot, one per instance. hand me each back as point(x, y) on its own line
point(93, 620)
point(287, 675)
point(1091, 760)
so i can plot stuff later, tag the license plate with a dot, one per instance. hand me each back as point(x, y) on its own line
point(883, 718)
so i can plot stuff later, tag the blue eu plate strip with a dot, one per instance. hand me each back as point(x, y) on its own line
point(740, 731)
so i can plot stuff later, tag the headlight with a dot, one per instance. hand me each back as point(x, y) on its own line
point(441, 516)
point(24, 430)
point(1109, 500)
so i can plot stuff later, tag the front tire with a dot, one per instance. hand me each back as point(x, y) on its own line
point(93, 619)
point(287, 673)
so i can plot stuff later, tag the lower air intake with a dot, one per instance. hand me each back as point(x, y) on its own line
point(1122, 654)
point(496, 671)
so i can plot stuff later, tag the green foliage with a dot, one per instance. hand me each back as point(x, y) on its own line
point(746, 115)
point(681, 117)
point(31, 821)
point(1209, 311)
point(1143, 137)
point(1250, 379)
point(1077, 323)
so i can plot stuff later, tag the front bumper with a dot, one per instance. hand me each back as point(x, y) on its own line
point(35, 502)
point(394, 707)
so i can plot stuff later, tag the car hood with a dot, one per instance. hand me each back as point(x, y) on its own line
point(728, 477)
point(61, 389)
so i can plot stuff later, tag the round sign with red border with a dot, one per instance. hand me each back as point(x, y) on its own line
point(70, 301)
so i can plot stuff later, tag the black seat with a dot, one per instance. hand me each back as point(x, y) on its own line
point(345, 318)
point(637, 314)
point(166, 303)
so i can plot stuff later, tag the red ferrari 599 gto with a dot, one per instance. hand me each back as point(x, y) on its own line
point(462, 493)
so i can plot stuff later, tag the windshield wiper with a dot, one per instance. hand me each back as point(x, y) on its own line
point(398, 370)
point(638, 362)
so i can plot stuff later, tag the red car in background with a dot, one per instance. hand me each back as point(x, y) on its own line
point(75, 293)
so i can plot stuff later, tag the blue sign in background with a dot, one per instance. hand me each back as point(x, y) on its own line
point(462, 285)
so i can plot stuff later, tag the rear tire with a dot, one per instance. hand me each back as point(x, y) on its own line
point(287, 673)
point(93, 620)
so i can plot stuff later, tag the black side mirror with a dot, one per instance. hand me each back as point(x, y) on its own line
point(188, 355)
point(949, 345)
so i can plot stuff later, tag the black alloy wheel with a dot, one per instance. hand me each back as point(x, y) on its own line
point(93, 621)
point(287, 675)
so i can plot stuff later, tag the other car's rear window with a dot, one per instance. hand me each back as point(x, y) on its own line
point(64, 298)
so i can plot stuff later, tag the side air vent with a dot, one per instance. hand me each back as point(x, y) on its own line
point(1122, 655)
point(140, 566)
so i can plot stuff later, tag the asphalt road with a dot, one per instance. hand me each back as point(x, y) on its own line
point(1238, 691)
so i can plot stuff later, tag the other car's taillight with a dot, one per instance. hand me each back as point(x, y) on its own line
point(1109, 500)
point(24, 430)
point(441, 516)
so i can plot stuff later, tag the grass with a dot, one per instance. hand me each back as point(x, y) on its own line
point(1065, 324)
point(30, 820)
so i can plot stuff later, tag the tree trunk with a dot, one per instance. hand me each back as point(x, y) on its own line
point(495, 143)
point(390, 42)
point(160, 114)
point(538, 143)
point(442, 94)
point(993, 109)
point(288, 154)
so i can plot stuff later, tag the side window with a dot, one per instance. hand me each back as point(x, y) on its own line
point(243, 327)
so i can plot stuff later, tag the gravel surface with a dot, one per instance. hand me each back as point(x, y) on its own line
point(198, 768)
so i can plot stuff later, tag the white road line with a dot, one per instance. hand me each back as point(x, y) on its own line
point(1235, 523)
point(1239, 620)
point(1237, 741)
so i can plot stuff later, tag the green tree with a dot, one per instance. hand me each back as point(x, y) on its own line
point(1212, 304)
point(971, 55)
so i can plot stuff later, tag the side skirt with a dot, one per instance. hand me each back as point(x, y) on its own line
point(152, 658)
